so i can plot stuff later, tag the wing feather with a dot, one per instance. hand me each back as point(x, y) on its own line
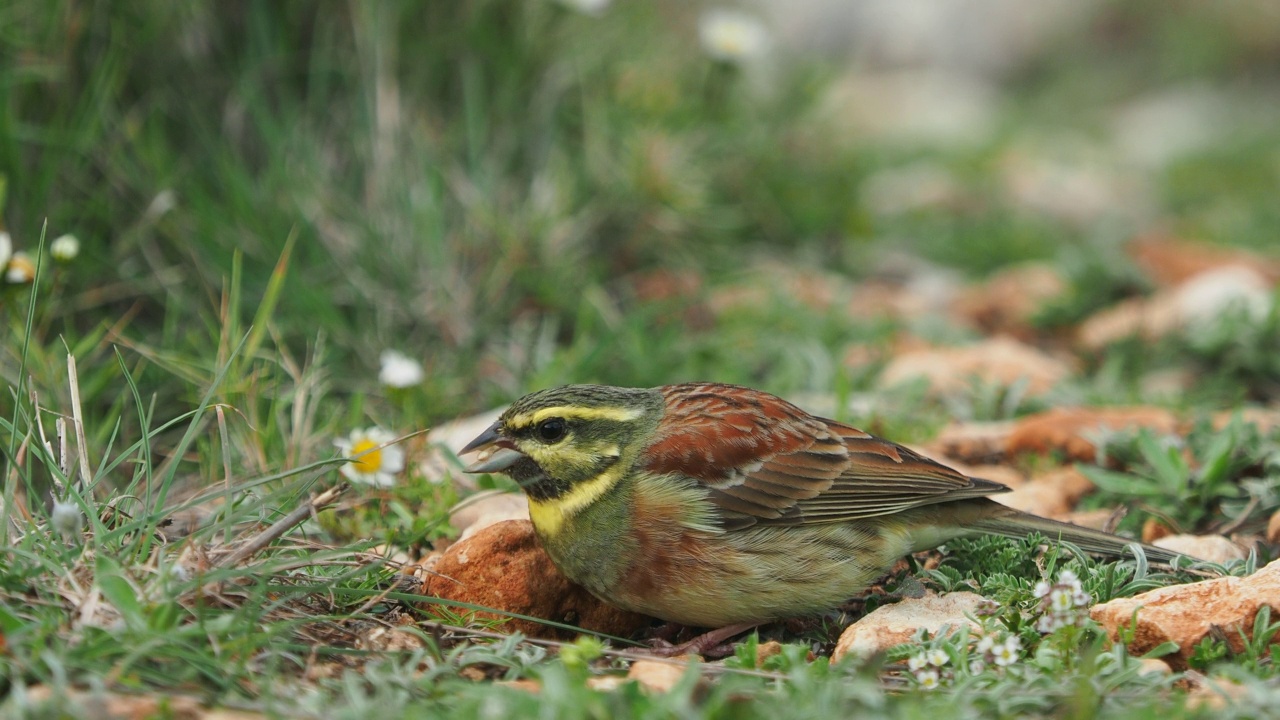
point(767, 461)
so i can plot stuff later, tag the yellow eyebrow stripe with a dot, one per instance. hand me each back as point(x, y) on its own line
point(549, 516)
point(576, 413)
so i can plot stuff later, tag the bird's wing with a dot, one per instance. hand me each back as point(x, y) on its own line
point(765, 460)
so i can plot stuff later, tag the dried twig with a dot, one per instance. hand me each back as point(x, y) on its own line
point(282, 526)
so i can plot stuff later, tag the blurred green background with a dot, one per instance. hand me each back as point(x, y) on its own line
point(527, 192)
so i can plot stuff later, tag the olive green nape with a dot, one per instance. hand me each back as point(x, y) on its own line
point(584, 396)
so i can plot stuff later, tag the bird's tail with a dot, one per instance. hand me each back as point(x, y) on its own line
point(1017, 524)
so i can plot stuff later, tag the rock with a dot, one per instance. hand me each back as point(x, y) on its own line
point(533, 687)
point(932, 107)
point(606, 683)
point(1100, 519)
point(1273, 528)
point(1185, 614)
point(1215, 694)
point(895, 624)
point(505, 568)
point(1070, 430)
point(1009, 299)
point(388, 639)
point(1265, 419)
point(657, 676)
point(1153, 666)
point(1213, 548)
point(481, 510)
point(1052, 495)
point(1002, 360)
point(1153, 530)
point(440, 460)
point(1201, 298)
point(766, 650)
point(1147, 318)
point(1006, 475)
point(975, 442)
point(1171, 261)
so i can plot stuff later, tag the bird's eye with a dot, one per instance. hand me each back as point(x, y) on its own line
point(551, 429)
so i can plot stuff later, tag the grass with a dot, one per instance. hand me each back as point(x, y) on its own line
point(269, 195)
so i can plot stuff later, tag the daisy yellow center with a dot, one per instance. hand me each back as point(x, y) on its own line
point(367, 459)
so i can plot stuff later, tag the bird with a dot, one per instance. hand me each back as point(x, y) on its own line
point(720, 506)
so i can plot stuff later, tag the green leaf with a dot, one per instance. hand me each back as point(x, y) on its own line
point(1165, 648)
point(119, 592)
point(1121, 483)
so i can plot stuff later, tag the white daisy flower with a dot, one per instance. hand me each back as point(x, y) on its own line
point(1006, 653)
point(399, 370)
point(928, 679)
point(938, 657)
point(65, 248)
point(22, 269)
point(918, 662)
point(731, 35)
point(976, 667)
point(1061, 600)
point(6, 249)
point(371, 464)
point(586, 7)
point(985, 645)
point(1042, 588)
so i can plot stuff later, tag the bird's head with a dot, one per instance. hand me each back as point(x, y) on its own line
point(569, 444)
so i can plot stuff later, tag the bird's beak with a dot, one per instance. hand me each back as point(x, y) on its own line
point(502, 455)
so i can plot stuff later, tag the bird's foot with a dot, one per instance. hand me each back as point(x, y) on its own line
point(711, 645)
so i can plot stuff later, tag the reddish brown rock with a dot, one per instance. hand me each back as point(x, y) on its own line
point(1002, 360)
point(1153, 530)
point(895, 624)
point(1008, 301)
point(505, 568)
point(1185, 614)
point(1069, 430)
point(1170, 261)
point(1273, 528)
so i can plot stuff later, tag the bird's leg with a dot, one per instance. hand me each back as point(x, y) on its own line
point(705, 642)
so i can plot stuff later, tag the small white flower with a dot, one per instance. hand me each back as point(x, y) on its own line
point(918, 662)
point(371, 464)
point(67, 519)
point(65, 248)
point(587, 7)
point(1047, 624)
point(399, 370)
point(1006, 653)
point(1066, 577)
point(1081, 598)
point(985, 645)
point(976, 666)
point(1061, 600)
point(938, 657)
point(1042, 588)
point(21, 270)
point(928, 679)
point(731, 35)
point(6, 249)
